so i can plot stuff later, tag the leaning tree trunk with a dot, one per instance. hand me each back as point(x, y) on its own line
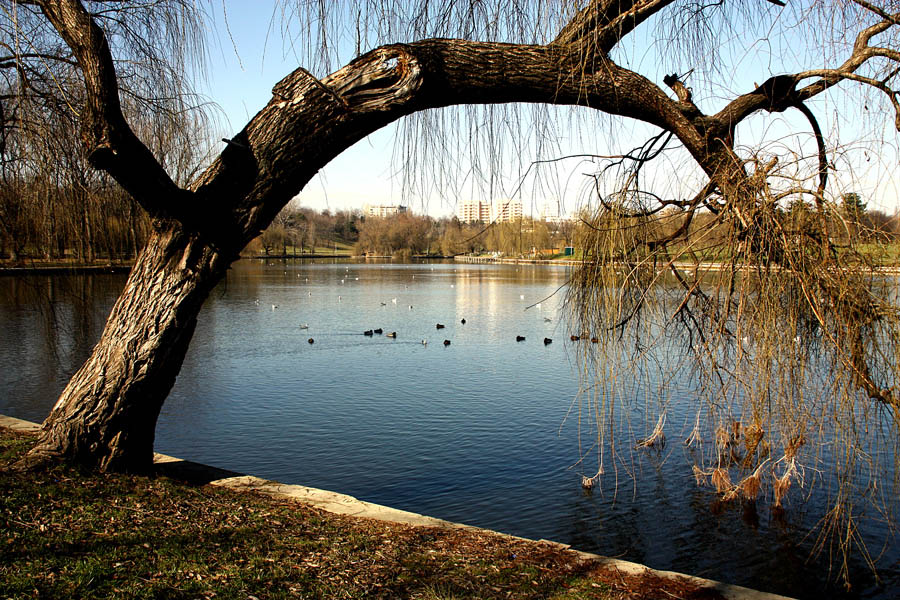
point(106, 416)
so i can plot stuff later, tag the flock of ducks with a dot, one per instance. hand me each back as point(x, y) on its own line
point(519, 338)
point(393, 334)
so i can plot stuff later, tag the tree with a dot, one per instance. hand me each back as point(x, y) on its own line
point(854, 209)
point(481, 53)
point(73, 206)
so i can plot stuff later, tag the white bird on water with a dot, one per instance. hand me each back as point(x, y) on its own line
point(304, 326)
point(274, 306)
point(394, 300)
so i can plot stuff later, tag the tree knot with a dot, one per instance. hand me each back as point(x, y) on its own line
point(378, 80)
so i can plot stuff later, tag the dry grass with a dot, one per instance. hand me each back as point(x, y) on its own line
point(69, 534)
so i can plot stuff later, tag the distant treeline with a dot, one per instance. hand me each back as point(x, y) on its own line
point(94, 220)
point(299, 231)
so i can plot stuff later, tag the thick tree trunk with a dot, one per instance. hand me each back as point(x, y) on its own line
point(106, 416)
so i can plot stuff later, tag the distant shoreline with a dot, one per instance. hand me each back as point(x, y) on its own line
point(37, 267)
point(64, 269)
point(56, 268)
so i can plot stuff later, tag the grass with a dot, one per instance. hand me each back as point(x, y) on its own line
point(65, 533)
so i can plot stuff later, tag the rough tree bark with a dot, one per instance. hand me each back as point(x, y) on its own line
point(107, 415)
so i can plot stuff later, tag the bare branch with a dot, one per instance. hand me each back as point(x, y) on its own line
point(112, 145)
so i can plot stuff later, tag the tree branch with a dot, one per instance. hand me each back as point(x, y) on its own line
point(111, 144)
point(308, 121)
point(599, 26)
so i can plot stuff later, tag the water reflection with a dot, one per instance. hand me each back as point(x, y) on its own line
point(49, 326)
point(473, 432)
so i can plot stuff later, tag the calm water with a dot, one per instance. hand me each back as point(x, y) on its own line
point(473, 432)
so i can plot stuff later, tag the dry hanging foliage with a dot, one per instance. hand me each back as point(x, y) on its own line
point(756, 281)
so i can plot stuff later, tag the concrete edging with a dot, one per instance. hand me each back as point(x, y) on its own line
point(343, 504)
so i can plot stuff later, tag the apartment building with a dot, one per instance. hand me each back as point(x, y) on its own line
point(486, 212)
point(379, 210)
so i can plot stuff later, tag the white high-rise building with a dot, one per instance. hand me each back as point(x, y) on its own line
point(471, 211)
point(550, 212)
point(379, 210)
point(498, 211)
point(507, 210)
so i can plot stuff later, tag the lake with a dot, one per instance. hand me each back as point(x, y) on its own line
point(483, 431)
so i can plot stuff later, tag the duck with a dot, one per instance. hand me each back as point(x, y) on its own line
point(547, 341)
point(594, 340)
point(311, 341)
point(438, 326)
point(367, 332)
point(574, 338)
point(520, 338)
point(392, 334)
point(548, 320)
point(446, 342)
point(379, 331)
point(463, 321)
point(424, 342)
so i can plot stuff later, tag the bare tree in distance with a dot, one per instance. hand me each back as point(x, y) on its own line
point(41, 92)
point(782, 300)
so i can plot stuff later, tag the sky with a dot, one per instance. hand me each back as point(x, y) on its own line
point(246, 61)
point(247, 57)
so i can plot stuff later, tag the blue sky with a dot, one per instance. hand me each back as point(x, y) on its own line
point(248, 56)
